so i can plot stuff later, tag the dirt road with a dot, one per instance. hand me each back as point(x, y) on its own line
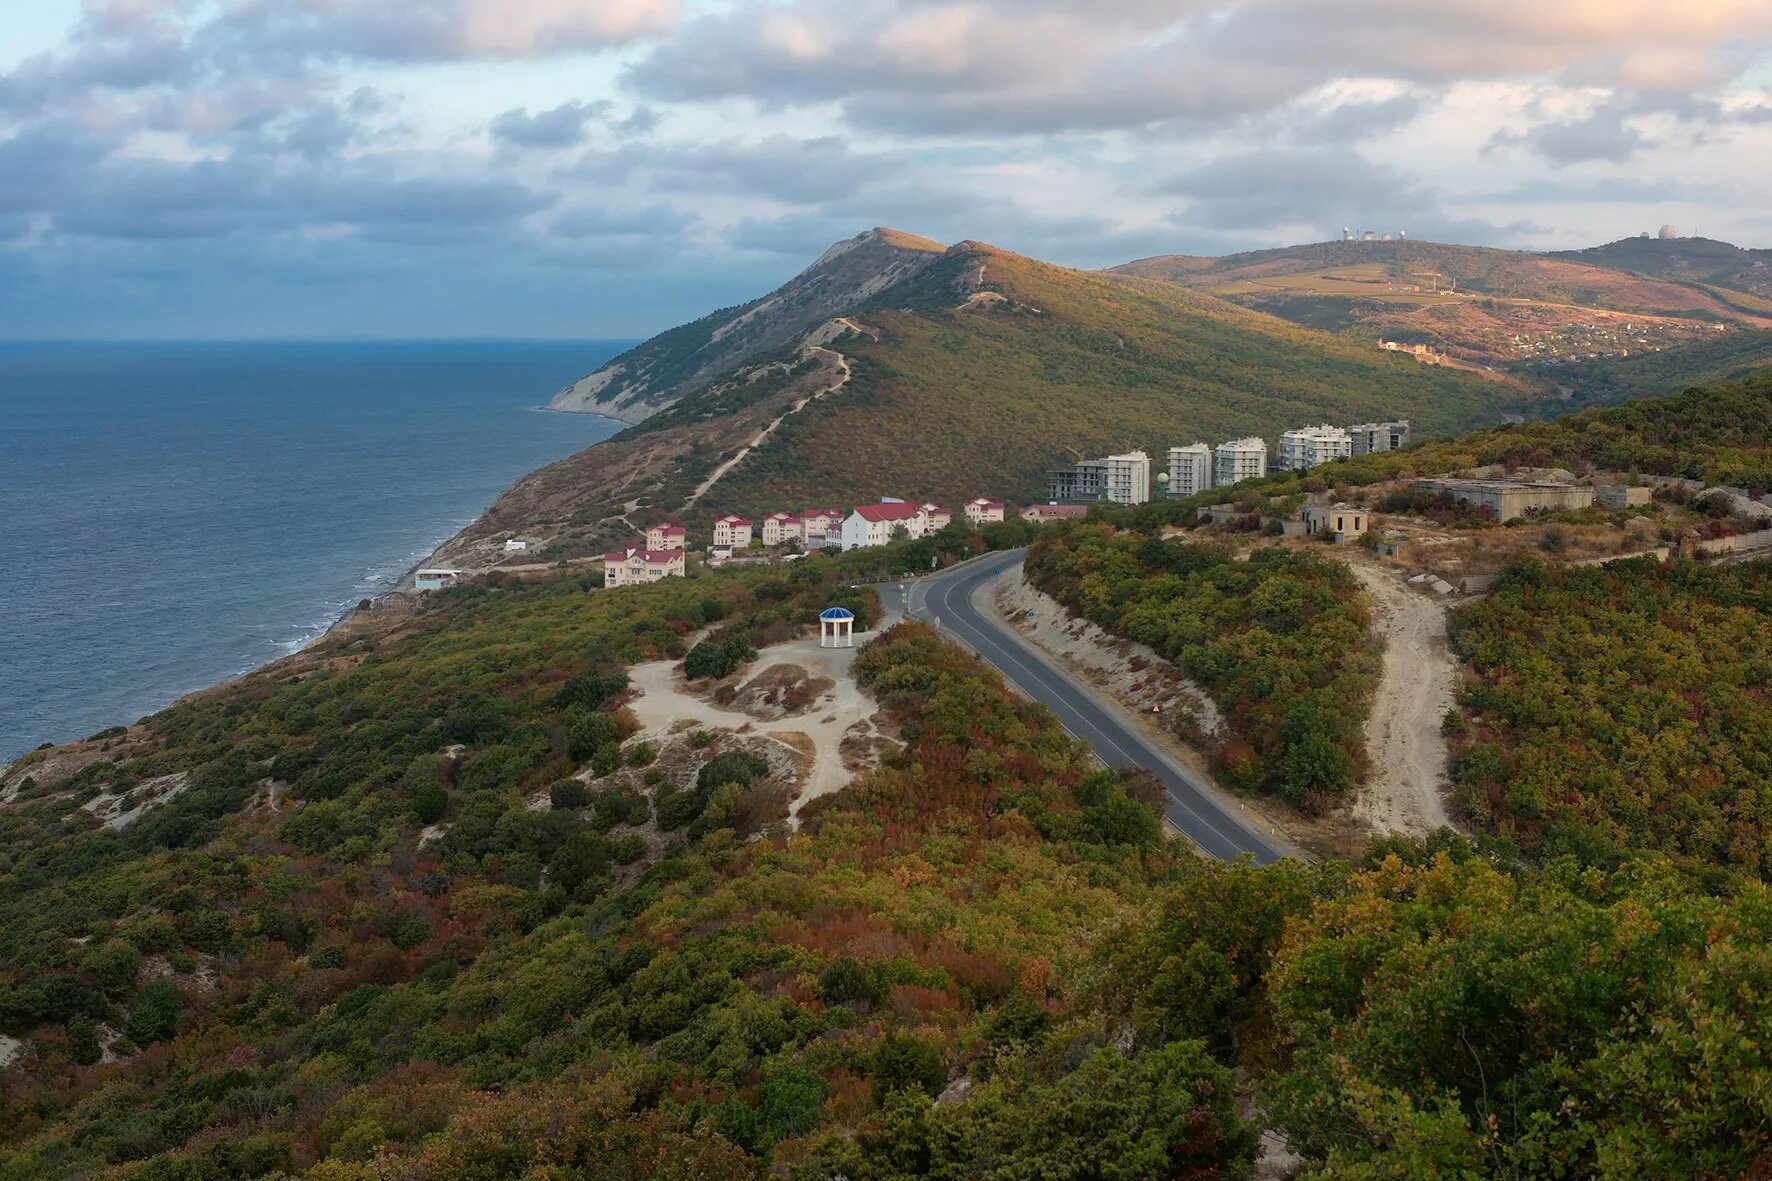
point(1404, 792)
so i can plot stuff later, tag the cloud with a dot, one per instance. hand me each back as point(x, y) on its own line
point(1357, 119)
point(1603, 135)
point(974, 66)
point(561, 127)
point(1313, 190)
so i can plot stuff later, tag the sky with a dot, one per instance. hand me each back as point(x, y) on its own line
point(608, 168)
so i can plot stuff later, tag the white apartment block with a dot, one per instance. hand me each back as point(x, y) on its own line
point(781, 528)
point(1127, 479)
point(1239, 459)
point(732, 532)
point(1308, 446)
point(1190, 469)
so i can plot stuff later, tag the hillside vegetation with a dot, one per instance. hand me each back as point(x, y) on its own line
point(1279, 640)
point(1621, 707)
point(988, 918)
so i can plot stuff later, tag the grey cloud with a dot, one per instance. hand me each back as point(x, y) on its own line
point(561, 127)
point(1276, 190)
point(1603, 135)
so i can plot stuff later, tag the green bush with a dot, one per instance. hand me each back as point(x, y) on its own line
point(907, 1063)
point(566, 794)
point(154, 1015)
point(325, 958)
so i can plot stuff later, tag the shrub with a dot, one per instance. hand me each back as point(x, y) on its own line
point(568, 793)
point(907, 1063)
point(154, 1015)
point(607, 759)
point(327, 958)
point(719, 655)
point(642, 754)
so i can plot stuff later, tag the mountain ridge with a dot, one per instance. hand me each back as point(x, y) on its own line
point(656, 373)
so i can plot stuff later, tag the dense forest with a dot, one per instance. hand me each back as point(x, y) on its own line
point(1621, 707)
point(1279, 641)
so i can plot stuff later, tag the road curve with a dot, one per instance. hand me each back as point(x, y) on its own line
point(949, 597)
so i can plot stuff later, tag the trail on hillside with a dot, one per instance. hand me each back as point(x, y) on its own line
point(1403, 791)
point(844, 373)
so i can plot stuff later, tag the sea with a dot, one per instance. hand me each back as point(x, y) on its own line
point(174, 514)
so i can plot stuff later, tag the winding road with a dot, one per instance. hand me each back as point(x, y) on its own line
point(951, 600)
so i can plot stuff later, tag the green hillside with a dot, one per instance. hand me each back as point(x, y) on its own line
point(966, 389)
point(1729, 357)
point(1690, 260)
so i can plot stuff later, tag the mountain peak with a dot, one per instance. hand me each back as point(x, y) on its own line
point(655, 375)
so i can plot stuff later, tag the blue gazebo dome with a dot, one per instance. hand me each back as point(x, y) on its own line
point(835, 613)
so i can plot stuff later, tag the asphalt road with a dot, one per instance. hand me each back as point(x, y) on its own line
point(1221, 831)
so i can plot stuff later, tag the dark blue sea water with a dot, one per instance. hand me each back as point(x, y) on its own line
point(175, 514)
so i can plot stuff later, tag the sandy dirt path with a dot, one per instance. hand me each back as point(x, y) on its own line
point(665, 701)
point(1404, 792)
point(762, 436)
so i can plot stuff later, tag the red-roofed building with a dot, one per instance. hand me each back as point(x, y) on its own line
point(781, 528)
point(935, 518)
point(876, 524)
point(983, 511)
point(629, 567)
point(668, 535)
point(732, 532)
point(1053, 512)
point(821, 526)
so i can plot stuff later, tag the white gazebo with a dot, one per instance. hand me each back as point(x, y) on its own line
point(836, 628)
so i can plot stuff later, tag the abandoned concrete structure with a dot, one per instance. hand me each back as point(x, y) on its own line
point(1509, 499)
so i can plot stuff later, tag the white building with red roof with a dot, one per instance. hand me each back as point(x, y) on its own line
point(632, 566)
point(821, 526)
point(935, 517)
point(983, 511)
point(877, 524)
point(668, 535)
point(732, 532)
point(781, 528)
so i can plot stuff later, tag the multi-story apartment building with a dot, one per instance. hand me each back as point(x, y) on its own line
point(935, 517)
point(668, 535)
point(875, 524)
point(627, 567)
point(821, 527)
point(1190, 469)
point(983, 511)
point(1307, 446)
point(1239, 459)
point(781, 528)
point(1380, 436)
point(732, 532)
point(1121, 479)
